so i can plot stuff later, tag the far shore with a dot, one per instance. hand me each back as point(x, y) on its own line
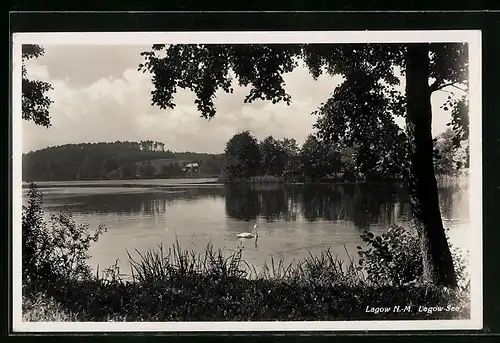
point(127, 183)
point(203, 182)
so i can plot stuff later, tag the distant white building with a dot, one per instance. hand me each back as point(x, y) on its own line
point(191, 167)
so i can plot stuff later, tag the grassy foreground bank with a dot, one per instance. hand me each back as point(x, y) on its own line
point(178, 284)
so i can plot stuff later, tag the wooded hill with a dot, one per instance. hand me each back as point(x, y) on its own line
point(117, 160)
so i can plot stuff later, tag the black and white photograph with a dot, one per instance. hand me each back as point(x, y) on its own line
point(247, 181)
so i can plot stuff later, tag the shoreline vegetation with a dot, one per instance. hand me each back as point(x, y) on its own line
point(178, 284)
point(442, 180)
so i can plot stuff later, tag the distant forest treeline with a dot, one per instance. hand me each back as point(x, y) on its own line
point(117, 160)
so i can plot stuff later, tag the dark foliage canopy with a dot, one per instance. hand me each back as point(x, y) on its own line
point(35, 101)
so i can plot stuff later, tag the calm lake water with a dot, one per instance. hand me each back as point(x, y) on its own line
point(293, 219)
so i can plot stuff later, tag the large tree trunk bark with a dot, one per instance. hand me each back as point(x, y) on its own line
point(437, 259)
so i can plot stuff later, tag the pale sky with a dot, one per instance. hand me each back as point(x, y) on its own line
point(99, 96)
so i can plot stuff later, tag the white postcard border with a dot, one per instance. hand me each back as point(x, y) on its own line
point(472, 37)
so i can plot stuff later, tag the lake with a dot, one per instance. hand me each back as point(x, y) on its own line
point(294, 220)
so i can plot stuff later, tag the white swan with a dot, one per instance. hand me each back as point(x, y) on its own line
point(249, 235)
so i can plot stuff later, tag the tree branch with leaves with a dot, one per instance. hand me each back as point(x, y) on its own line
point(35, 101)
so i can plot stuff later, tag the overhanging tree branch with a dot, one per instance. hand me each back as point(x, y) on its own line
point(438, 85)
point(463, 90)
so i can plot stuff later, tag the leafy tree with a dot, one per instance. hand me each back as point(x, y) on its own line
point(110, 164)
point(242, 156)
point(272, 157)
point(360, 115)
point(204, 69)
point(320, 160)
point(462, 155)
point(53, 250)
point(292, 159)
point(449, 157)
point(348, 158)
point(312, 158)
point(171, 170)
point(114, 175)
point(459, 117)
point(128, 171)
point(332, 159)
point(35, 102)
point(444, 153)
point(212, 165)
point(92, 166)
point(146, 169)
point(459, 124)
point(289, 146)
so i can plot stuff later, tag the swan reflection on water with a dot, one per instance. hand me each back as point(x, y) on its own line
point(243, 240)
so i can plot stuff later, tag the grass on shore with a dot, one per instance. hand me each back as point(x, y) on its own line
point(254, 179)
point(38, 307)
point(456, 180)
point(178, 284)
point(442, 179)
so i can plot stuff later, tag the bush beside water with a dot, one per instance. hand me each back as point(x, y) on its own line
point(177, 284)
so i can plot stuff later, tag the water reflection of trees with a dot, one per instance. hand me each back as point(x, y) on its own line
point(452, 197)
point(361, 204)
point(145, 203)
point(242, 202)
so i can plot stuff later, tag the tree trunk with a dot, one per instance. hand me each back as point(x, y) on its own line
point(437, 259)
